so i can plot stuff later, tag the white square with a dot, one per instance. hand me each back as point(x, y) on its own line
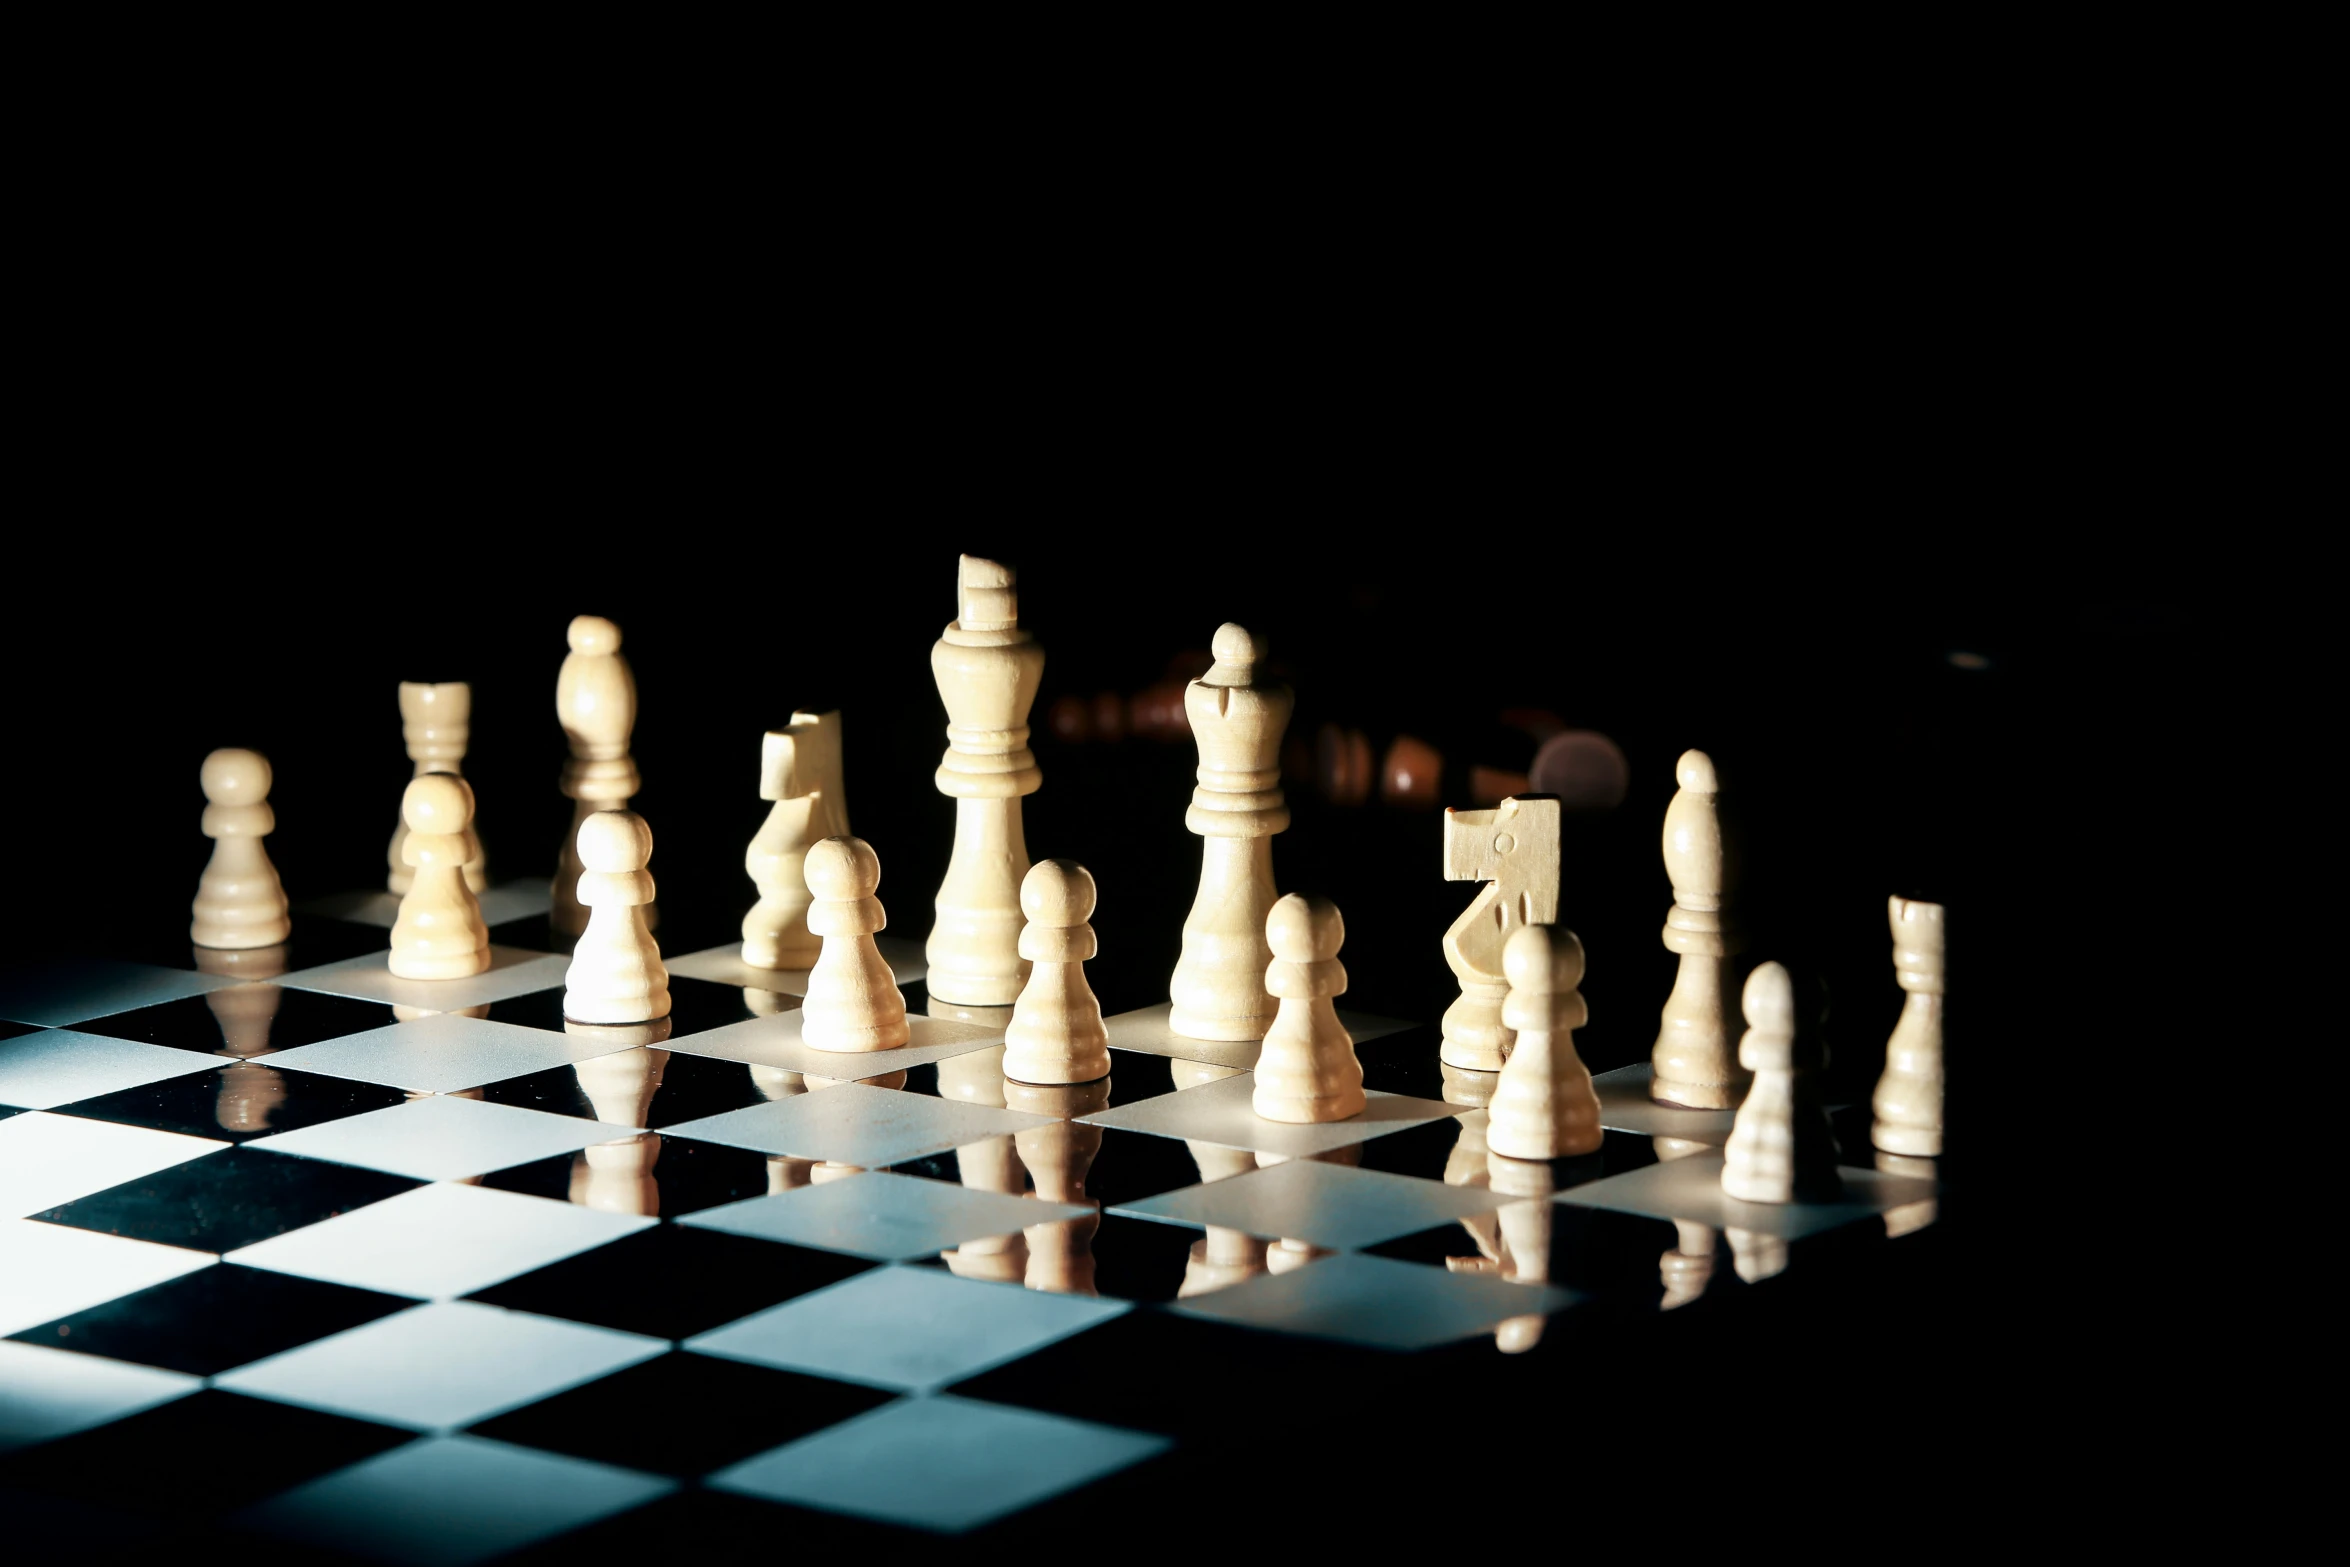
point(440, 1366)
point(1691, 1189)
point(48, 1159)
point(512, 972)
point(451, 1500)
point(910, 1328)
point(60, 1067)
point(776, 1041)
point(1150, 1031)
point(49, 1271)
point(442, 1053)
point(1327, 1204)
point(1625, 1106)
point(439, 1241)
point(725, 966)
point(48, 1393)
point(56, 994)
point(1224, 1113)
point(1377, 1301)
point(889, 1217)
point(440, 1138)
point(853, 1124)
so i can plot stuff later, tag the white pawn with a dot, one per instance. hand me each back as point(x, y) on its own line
point(1056, 1033)
point(239, 901)
point(853, 1001)
point(1908, 1101)
point(1780, 1148)
point(439, 934)
point(1544, 1107)
point(616, 974)
point(1307, 1071)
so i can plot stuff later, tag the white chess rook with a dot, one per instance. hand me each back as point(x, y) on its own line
point(1218, 987)
point(1307, 1071)
point(239, 900)
point(1693, 1061)
point(853, 1001)
point(1907, 1105)
point(616, 973)
point(987, 670)
point(1056, 1033)
point(439, 934)
point(436, 722)
point(1514, 848)
point(1544, 1107)
point(595, 698)
point(800, 770)
point(1780, 1148)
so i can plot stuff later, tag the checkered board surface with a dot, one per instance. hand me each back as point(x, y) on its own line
point(341, 1267)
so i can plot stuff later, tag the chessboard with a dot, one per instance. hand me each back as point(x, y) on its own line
point(321, 1264)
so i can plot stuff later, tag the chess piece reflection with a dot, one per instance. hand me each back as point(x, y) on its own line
point(1756, 1254)
point(617, 1177)
point(1465, 1165)
point(243, 1011)
point(436, 721)
point(1525, 1227)
point(404, 1013)
point(1514, 850)
point(595, 699)
point(1910, 1217)
point(239, 900)
point(249, 1091)
point(1908, 1100)
point(1222, 1257)
point(1289, 1254)
point(768, 1003)
point(1694, 1065)
point(991, 1164)
point(1059, 1155)
point(1193, 1074)
point(1689, 1267)
point(621, 1083)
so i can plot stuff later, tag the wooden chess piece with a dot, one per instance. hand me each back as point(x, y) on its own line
point(1238, 719)
point(1220, 1259)
point(1525, 1227)
point(439, 933)
point(436, 721)
point(1908, 1100)
point(1688, 1268)
point(249, 1094)
point(244, 1010)
point(595, 697)
point(239, 901)
point(1693, 1061)
point(1544, 1107)
point(853, 1001)
point(1056, 1033)
point(1465, 1165)
point(1059, 1154)
point(800, 770)
point(987, 669)
point(991, 1164)
point(1307, 1071)
point(1514, 849)
point(1780, 1148)
point(616, 973)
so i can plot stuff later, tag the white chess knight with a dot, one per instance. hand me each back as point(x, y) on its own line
point(853, 1001)
point(436, 721)
point(1056, 1033)
point(616, 973)
point(1307, 1071)
point(239, 900)
point(1514, 849)
point(1692, 1059)
point(1780, 1148)
point(1544, 1106)
point(1238, 718)
point(1908, 1100)
point(800, 770)
point(439, 934)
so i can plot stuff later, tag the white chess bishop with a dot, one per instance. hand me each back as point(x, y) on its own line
point(1056, 1033)
point(1693, 1062)
point(439, 933)
point(616, 973)
point(1780, 1147)
point(1307, 1071)
point(853, 1001)
point(1544, 1106)
point(239, 901)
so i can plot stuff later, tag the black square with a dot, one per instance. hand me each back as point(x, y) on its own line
point(1127, 1166)
point(242, 1100)
point(695, 1006)
point(672, 1281)
point(683, 1414)
point(198, 1457)
point(157, 932)
point(1120, 1258)
point(1616, 1255)
point(694, 1525)
point(684, 1177)
point(1133, 1077)
point(691, 1087)
point(10, 1030)
point(229, 1199)
point(235, 1020)
point(215, 1319)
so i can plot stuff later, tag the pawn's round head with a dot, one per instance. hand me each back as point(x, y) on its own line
point(437, 803)
point(841, 870)
point(1057, 892)
point(236, 777)
point(1237, 653)
point(1695, 773)
point(1769, 1001)
point(615, 841)
point(1543, 959)
point(1305, 928)
point(593, 634)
